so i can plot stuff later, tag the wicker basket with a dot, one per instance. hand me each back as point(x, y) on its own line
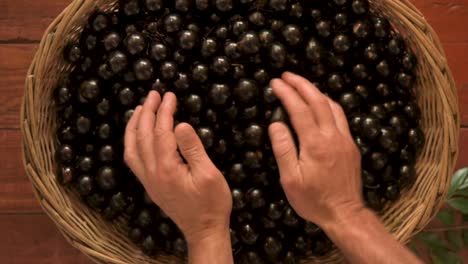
point(104, 243)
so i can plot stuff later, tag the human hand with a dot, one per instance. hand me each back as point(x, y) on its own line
point(323, 180)
point(194, 195)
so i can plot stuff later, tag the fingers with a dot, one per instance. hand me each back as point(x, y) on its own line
point(145, 132)
point(284, 148)
point(164, 127)
point(191, 147)
point(340, 118)
point(131, 155)
point(299, 112)
point(316, 101)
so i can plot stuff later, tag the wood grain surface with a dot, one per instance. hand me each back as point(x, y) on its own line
point(28, 235)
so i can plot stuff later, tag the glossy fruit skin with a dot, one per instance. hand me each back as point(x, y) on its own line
point(218, 57)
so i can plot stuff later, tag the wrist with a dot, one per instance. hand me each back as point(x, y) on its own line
point(207, 236)
point(342, 216)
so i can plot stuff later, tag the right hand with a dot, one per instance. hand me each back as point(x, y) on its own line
point(322, 181)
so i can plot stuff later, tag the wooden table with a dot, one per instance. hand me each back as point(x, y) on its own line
point(27, 235)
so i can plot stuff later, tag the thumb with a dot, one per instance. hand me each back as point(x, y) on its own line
point(284, 148)
point(191, 147)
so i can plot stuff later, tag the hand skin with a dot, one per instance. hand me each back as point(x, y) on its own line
point(323, 180)
point(194, 195)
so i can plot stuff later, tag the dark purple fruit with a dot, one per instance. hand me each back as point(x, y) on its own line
point(83, 125)
point(237, 173)
point(349, 101)
point(246, 91)
point(193, 103)
point(126, 96)
point(187, 39)
point(85, 163)
point(360, 7)
point(135, 43)
point(378, 160)
point(207, 136)
point(392, 192)
point(202, 4)
point(168, 70)
point(253, 159)
point(405, 80)
point(272, 247)
point(370, 127)
point(381, 27)
point(395, 46)
point(224, 5)
point(118, 62)
point(237, 199)
point(290, 218)
point(253, 135)
point(131, 8)
point(314, 50)
point(136, 235)
point(106, 178)
point(149, 245)
point(248, 235)
point(65, 174)
point(159, 51)
point(220, 65)
point(183, 5)
point(85, 185)
point(200, 73)
point(154, 5)
point(172, 23)
point(341, 43)
point(278, 5)
point(90, 89)
point(231, 50)
point(399, 124)
point(292, 34)
point(144, 218)
point(73, 53)
point(323, 28)
point(277, 55)
point(361, 29)
point(112, 41)
point(255, 198)
point(106, 153)
point(335, 82)
point(360, 71)
point(219, 94)
point(143, 69)
point(257, 18)
point(249, 43)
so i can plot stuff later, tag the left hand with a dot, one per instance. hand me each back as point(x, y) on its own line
point(194, 195)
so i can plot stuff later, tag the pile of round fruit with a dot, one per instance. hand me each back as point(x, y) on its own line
point(218, 57)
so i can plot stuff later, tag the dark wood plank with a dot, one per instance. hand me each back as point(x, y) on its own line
point(16, 194)
point(447, 17)
point(35, 239)
point(27, 20)
point(13, 68)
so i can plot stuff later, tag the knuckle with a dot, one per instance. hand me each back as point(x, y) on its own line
point(128, 156)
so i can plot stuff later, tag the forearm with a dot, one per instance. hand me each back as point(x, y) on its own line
point(211, 249)
point(362, 238)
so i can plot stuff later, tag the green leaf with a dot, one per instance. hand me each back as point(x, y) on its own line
point(413, 248)
point(432, 241)
point(446, 216)
point(465, 237)
point(460, 204)
point(465, 218)
point(459, 181)
point(456, 240)
point(445, 257)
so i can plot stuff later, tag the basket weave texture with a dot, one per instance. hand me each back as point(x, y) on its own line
point(104, 243)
